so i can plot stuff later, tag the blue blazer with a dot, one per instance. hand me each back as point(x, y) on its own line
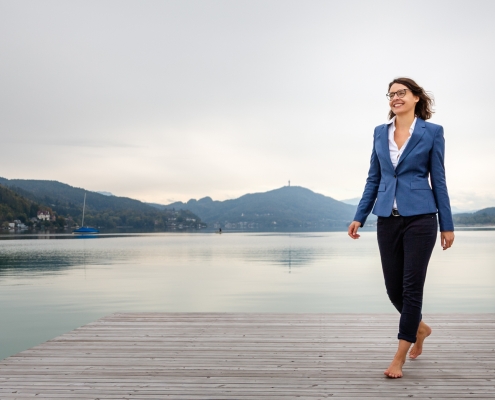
point(423, 157)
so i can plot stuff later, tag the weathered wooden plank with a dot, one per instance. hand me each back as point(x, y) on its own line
point(239, 392)
point(241, 382)
point(244, 396)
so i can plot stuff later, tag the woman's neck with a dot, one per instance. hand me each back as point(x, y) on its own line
point(404, 121)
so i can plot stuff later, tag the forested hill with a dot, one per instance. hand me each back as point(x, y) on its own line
point(485, 216)
point(58, 194)
point(14, 206)
point(289, 206)
point(103, 211)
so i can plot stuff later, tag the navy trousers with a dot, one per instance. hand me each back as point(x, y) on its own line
point(406, 244)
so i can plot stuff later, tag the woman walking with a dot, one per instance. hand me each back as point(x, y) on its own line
point(407, 151)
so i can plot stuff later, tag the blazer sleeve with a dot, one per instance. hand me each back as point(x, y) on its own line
point(438, 182)
point(371, 188)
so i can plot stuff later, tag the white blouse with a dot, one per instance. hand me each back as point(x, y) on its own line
point(395, 152)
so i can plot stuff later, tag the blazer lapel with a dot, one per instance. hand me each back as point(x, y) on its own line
point(419, 131)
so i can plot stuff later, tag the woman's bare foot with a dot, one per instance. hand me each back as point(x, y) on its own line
point(423, 332)
point(394, 370)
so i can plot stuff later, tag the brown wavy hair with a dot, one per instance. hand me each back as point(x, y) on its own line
point(424, 107)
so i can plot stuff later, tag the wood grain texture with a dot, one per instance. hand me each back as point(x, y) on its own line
point(254, 356)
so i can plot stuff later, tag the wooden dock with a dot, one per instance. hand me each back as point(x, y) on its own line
point(254, 356)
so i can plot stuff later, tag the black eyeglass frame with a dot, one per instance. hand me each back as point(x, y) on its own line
point(391, 95)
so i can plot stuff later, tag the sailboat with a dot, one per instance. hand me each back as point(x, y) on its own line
point(85, 229)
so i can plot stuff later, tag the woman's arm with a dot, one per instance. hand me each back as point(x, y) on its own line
point(371, 188)
point(438, 182)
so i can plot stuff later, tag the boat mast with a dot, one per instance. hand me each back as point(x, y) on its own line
point(84, 206)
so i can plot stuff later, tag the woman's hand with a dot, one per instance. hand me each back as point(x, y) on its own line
point(446, 239)
point(353, 228)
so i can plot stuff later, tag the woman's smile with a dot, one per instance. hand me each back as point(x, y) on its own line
point(405, 103)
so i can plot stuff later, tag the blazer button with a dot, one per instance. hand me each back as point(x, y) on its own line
point(395, 176)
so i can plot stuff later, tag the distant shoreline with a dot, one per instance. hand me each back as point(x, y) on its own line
point(65, 235)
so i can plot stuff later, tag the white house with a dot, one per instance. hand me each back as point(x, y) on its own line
point(43, 215)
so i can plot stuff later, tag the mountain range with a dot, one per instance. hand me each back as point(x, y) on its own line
point(286, 207)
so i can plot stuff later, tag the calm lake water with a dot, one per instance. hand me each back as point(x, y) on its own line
point(48, 287)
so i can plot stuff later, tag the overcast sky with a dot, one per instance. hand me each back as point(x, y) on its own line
point(170, 100)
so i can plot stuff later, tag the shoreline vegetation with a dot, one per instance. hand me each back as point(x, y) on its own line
point(37, 205)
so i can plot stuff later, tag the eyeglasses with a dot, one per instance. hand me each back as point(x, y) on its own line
point(400, 94)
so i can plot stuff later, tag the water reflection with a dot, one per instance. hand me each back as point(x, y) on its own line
point(291, 250)
point(287, 250)
point(12, 235)
point(32, 258)
point(86, 236)
point(288, 256)
point(18, 263)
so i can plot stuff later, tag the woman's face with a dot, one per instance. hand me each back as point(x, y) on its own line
point(402, 105)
